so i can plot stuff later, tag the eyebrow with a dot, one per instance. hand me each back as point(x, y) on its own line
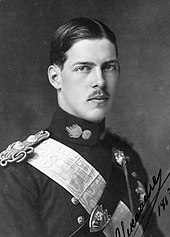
point(93, 64)
point(112, 61)
point(83, 63)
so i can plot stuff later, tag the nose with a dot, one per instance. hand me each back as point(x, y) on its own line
point(99, 80)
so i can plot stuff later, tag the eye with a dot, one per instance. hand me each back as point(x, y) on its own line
point(83, 69)
point(111, 67)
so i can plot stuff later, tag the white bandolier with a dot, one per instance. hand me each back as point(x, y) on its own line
point(69, 169)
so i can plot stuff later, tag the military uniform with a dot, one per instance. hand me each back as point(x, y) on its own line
point(32, 204)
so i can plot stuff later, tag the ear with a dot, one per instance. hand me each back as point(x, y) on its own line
point(54, 76)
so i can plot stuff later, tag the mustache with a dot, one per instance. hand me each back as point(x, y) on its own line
point(99, 93)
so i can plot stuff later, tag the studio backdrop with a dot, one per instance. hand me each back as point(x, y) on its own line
point(141, 110)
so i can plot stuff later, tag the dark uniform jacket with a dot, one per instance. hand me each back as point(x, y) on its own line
point(33, 205)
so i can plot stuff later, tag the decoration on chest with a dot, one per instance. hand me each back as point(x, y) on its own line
point(122, 160)
point(141, 191)
point(18, 151)
point(119, 157)
point(98, 219)
point(75, 131)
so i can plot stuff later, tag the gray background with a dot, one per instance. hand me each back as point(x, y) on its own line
point(142, 105)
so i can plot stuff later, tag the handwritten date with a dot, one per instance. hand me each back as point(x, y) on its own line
point(162, 205)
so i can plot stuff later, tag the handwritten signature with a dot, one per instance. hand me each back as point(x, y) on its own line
point(146, 205)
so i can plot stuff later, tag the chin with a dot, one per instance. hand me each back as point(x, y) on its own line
point(95, 117)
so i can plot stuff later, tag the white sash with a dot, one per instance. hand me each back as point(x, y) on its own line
point(69, 169)
point(123, 224)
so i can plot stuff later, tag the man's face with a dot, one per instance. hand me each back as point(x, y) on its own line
point(88, 79)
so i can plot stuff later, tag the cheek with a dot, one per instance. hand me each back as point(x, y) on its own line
point(68, 87)
point(72, 90)
point(111, 85)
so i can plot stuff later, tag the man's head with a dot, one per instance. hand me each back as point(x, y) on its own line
point(84, 68)
point(73, 31)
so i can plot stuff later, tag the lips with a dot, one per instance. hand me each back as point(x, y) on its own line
point(99, 97)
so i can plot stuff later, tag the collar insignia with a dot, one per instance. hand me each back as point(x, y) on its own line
point(98, 219)
point(75, 131)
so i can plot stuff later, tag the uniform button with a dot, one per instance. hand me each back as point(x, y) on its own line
point(86, 134)
point(134, 174)
point(80, 220)
point(75, 201)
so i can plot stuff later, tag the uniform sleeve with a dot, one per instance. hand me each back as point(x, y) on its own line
point(19, 209)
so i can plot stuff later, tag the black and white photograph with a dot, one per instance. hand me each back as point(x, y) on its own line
point(84, 118)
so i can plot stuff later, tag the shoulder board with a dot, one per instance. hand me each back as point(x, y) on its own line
point(18, 151)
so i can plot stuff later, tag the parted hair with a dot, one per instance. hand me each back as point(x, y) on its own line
point(73, 31)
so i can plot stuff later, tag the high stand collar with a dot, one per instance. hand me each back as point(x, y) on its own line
point(67, 127)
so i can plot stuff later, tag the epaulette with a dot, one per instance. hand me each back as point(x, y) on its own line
point(18, 151)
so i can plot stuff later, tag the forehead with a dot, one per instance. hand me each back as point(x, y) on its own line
point(97, 50)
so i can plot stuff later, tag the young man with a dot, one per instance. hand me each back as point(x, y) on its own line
point(79, 180)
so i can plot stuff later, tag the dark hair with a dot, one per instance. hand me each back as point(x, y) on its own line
point(74, 30)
